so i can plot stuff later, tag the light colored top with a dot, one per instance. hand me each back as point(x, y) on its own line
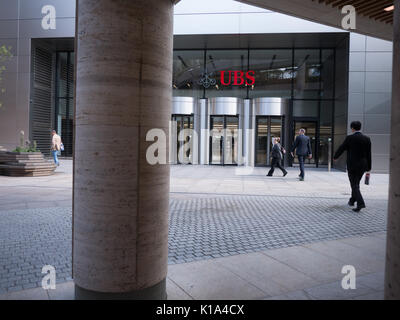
point(56, 142)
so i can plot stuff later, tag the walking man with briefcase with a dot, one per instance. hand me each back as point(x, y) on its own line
point(358, 147)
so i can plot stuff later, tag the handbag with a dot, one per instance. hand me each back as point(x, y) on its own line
point(61, 147)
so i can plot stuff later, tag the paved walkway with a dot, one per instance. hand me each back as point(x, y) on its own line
point(307, 272)
point(219, 217)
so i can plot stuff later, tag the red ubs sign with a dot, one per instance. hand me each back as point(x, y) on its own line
point(237, 78)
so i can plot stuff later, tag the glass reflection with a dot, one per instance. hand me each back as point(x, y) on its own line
point(273, 70)
point(188, 66)
point(307, 70)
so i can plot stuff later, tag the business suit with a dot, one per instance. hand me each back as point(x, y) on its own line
point(302, 145)
point(276, 154)
point(358, 147)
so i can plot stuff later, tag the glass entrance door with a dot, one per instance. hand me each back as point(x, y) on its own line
point(224, 140)
point(185, 147)
point(325, 134)
point(267, 128)
point(311, 132)
point(216, 140)
point(231, 140)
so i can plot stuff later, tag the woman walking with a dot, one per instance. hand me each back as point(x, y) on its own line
point(277, 156)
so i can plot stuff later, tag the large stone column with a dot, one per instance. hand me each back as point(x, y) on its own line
point(392, 276)
point(120, 201)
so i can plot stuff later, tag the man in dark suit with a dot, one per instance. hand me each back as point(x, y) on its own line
point(277, 156)
point(358, 147)
point(302, 146)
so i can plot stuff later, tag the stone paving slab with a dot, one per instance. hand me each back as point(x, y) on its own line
point(334, 291)
point(363, 259)
point(260, 277)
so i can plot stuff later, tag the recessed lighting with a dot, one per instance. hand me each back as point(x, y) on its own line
point(391, 8)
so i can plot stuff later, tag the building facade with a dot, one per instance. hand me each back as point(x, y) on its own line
point(241, 76)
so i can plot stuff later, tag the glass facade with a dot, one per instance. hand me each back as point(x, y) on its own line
point(291, 73)
point(305, 76)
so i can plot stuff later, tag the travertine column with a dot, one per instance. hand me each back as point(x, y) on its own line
point(123, 89)
point(392, 276)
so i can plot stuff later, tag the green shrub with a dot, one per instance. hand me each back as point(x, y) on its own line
point(30, 147)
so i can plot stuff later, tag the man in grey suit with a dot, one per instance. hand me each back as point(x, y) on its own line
point(302, 145)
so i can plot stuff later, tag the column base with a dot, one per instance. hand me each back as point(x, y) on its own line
point(156, 292)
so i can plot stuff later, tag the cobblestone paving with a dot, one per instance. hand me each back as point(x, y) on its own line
point(210, 227)
point(30, 239)
point(201, 227)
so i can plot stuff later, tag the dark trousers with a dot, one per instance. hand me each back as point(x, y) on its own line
point(276, 163)
point(301, 163)
point(355, 178)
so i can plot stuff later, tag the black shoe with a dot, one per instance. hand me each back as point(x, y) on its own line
point(269, 175)
point(358, 208)
point(301, 179)
point(285, 174)
point(351, 203)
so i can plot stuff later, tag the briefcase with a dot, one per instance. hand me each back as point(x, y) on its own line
point(367, 176)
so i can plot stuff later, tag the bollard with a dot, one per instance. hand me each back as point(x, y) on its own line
point(329, 154)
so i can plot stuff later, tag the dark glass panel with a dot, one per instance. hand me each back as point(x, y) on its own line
point(307, 71)
point(188, 69)
point(226, 61)
point(273, 73)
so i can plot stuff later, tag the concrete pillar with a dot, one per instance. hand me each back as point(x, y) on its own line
point(392, 275)
point(120, 201)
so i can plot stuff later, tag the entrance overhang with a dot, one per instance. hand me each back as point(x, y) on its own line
point(371, 18)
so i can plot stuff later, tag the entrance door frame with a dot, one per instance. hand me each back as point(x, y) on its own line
point(178, 143)
point(224, 116)
point(316, 147)
point(268, 163)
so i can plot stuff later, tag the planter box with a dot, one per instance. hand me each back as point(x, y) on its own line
point(25, 164)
